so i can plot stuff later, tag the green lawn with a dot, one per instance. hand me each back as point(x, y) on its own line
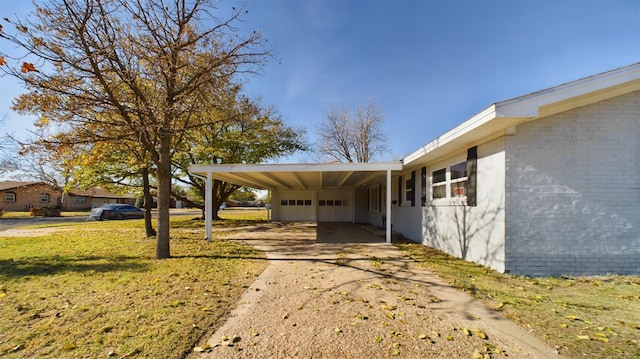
point(581, 317)
point(95, 290)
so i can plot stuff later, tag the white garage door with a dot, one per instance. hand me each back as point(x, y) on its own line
point(335, 206)
point(297, 206)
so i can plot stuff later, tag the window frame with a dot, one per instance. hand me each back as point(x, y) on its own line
point(10, 194)
point(449, 182)
point(45, 198)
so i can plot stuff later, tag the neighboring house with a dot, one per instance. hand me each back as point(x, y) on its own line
point(79, 199)
point(543, 184)
point(20, 196)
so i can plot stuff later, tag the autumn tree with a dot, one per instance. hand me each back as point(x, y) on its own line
point(352, 136)
point(148, 64)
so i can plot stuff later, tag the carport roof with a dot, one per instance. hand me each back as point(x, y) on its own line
point(300, 176)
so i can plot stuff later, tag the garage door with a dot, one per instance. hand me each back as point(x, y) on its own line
point(296, 207)
point(335, 206)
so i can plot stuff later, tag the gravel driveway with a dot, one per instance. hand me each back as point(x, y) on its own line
point(336, 291)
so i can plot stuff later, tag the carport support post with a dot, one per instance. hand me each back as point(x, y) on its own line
point(388, 209)
point(208, 207)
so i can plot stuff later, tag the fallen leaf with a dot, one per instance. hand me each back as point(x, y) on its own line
point(378, 339)
point(338, 330)
point(583, 337)
point(480, 334)
point(466, 331)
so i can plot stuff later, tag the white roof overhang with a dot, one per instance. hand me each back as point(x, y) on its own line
point(503, 117)
point(300, 176)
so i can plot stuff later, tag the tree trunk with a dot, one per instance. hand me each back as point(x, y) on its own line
point(148, 203)
point(164, 197)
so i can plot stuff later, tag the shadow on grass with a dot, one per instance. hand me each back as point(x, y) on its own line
point(17, 268)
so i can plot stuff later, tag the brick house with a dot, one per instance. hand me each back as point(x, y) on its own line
point(79, 199)
point(20, 196)
point(542, 184)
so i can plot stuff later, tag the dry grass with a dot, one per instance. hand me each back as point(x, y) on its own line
point(95, 290)
point(581, 317)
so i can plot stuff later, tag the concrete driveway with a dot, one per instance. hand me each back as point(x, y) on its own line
point(334, 290)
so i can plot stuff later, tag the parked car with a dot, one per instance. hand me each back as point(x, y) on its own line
point(116, 211)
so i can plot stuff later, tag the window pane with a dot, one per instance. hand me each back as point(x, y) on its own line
point(440, 191)
point(439, 175)
point(292, 202)
point(458, 189)
point(307, 202)
point(459, 170)
point(283, 202)
point(321, 202)
point(300, 202)
point(338, 202)
point(330, 202)
point(44, 198)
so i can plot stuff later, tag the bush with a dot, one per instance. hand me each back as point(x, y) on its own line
point(1, 212)
point(48, 211)
point(35, 211)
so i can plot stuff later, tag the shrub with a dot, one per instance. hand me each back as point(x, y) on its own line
point(48, 211)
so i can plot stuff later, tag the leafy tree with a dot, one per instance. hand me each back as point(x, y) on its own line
point(352, 136)
point(243, 194)
point(148, 65)
point(245, 133)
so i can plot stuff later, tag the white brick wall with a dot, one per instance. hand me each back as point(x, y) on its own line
point(573, 191)
point(473, 233)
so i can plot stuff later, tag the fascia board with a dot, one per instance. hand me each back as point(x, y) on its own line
point(529, 105)
point(297, 167)
point(474, 122)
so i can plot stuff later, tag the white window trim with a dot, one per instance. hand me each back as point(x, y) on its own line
point(43, 196)
point(404, 201)
point(10, 194)
point(448, 200)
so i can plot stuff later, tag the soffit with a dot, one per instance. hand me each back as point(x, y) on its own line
point(331, 176)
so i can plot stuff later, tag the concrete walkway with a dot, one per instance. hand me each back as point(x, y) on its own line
point(337, 291)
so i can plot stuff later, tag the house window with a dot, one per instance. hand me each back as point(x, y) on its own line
point(449, 182)
point(458, 179)
point(44, 198)
point(9, 197)
point(374, 199)
point(439, 183)
point(406, 189)
point(82, 200)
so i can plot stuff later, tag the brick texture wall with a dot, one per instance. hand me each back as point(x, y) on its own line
point(29, 195)
point(573, 191)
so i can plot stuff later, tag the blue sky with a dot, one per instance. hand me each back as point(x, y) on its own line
point(429, 64)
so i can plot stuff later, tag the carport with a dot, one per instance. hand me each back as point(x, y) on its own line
point(299, 177)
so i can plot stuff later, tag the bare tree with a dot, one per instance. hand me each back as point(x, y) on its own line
point(352, 136)
point(7, 151)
